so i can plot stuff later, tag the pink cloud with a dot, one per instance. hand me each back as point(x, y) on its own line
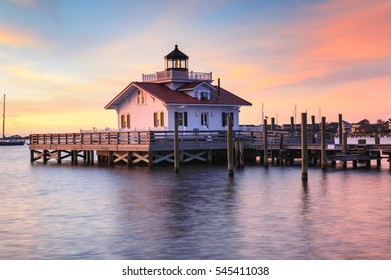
point(25, 3)
point(18, 39)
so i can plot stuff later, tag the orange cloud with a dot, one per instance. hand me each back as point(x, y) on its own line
point(18, 39)
point(351, 30)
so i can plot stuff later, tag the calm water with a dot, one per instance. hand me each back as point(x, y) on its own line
point(82, 212)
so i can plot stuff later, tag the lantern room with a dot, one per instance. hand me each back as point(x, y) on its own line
point(176, 60)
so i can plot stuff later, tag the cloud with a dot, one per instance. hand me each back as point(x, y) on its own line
point(14, 38)
point(25, 3)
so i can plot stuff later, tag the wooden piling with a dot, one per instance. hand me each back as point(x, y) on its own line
point(323, 144)
point(110, 158)
point(313, 139)
point(344, 142)
point(32, 154)
point(210, 156)
point(265, 145)
point(45, 156)
point(272, 127)
point(304, 147)
point(176, 145)
point(59, 156)
point(230, 156)
point(292, 123)
point(377, 142)
point(129, 158)
point(241, 153)
point(340, 128)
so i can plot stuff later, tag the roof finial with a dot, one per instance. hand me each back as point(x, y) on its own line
point(176, 45)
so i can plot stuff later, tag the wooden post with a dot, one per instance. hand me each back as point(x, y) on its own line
point(110, 158)
point(340, 128)
point(129, 158)
point(241, 149)
point(92, 157)
point(265, 145)
point(323, 144)
point(376, 136)
point(236, 150)
point(280, 159)
point(32, 154)
point(59, 156)
point(73, 157)
point(344, 142)
point(377, 142)
point(150, 157)
point(176, 145)
point(239, 153)
point(292, 123)
point(313, 129)
point(45, 156)
point(230, 156)
point(304, 148)
point(272, 124)
point(210, 156)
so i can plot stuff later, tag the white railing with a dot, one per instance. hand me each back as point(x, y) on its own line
point(177, 75)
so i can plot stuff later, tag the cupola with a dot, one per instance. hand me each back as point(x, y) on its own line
point(176, 60)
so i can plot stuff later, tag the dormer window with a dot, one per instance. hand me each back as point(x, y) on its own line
point(204, 95)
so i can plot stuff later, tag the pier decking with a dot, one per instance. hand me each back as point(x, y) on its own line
point(155, 147)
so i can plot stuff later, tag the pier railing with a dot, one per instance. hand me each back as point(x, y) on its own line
point(165, 139)
point(177, 75)
point(150, 137)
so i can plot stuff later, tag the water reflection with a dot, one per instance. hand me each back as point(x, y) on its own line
point(79, 212)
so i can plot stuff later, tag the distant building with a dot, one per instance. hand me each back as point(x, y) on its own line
point(154, 103)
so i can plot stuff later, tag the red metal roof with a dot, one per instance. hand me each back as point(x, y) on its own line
point(169, 96)
point(192, 85)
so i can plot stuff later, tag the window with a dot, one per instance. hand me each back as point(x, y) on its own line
point(125, 121)
point(141, 98)
point(182, 118)
point(158, 119)
point(203, 95)
point(224, 118)
point(205, 119)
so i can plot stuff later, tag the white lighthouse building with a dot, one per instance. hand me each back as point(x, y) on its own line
point(154, 103)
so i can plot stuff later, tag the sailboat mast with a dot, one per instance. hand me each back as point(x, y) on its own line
point(3, 115)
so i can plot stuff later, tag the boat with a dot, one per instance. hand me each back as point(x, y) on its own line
point(9, 141)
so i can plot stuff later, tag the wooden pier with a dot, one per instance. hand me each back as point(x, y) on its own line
point(151, 148)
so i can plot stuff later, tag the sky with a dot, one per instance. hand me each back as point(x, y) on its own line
point(62, 61)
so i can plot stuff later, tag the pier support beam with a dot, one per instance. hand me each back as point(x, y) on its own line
point(230, 156)
point(323, 144)
point(129, 156)
point(176, 145)
point(92, 157)
point(292, 123)
point(340, 128)
point(59, 157)
point(272, 126)
point(265, 145)
point(239, 153)
point(313, 139)
point(110, 158)
point(304, 148)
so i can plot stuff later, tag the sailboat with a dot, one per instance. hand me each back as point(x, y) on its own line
point(9, 141)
